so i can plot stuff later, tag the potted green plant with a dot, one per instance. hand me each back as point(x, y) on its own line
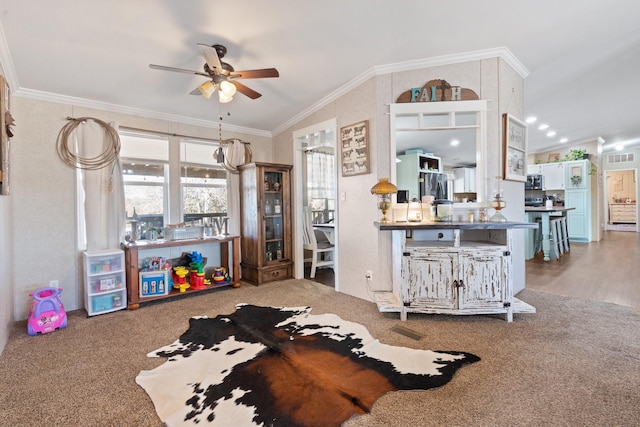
point(576, 154)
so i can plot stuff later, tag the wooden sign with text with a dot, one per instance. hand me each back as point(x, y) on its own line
point(437, 90)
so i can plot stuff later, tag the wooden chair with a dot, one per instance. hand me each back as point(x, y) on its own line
point(321, 252)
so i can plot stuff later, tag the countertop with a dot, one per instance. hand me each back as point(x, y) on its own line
point(452, 225)
point(545, 209)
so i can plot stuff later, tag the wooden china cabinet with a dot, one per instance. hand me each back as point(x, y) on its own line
point(265, 205)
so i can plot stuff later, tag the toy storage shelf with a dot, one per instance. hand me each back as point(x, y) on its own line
point(228, 244)
point(104, 281)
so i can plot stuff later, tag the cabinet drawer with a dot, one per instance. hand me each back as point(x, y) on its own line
point(272, 274)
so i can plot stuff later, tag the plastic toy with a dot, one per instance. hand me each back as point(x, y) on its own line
point(180, 281)
point(220, 276)
point(47, 312)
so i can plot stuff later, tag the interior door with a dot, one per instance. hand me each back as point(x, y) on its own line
point(316, 187)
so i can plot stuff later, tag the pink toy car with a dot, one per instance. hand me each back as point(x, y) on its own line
point(47, 312)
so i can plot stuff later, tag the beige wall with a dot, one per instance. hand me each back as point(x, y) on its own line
point(43, 195)
point(6, 267)
point(361, 246)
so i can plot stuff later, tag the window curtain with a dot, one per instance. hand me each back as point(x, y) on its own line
point(235, 157)
point(103, 191)
point(321, 176)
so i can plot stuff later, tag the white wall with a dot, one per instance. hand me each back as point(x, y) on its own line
point(43, 196)
point(362, 246)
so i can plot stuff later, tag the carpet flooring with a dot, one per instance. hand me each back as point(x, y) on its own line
point(572, 363)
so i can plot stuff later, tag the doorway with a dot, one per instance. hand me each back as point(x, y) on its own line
point(316, 189)
point(621, 204)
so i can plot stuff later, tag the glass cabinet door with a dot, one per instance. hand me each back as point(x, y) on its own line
point(273, 216)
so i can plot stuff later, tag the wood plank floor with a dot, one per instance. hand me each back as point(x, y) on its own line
point(606, 271)
point(323, 275)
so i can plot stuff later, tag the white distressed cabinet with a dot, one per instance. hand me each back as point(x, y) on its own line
point(453, 268)
point(455, 278)
point(622, 213)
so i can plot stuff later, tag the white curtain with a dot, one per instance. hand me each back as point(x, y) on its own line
point(104, 211)
point(321, 179)
point(235, 157)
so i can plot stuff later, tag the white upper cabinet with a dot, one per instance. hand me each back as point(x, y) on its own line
point(553, 176)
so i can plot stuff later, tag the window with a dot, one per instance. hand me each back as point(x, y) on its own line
point(203, 182)
point(321, 185)
point(165, 185)
point(145, 161)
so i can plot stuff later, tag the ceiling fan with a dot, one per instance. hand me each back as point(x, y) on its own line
point(222, 75)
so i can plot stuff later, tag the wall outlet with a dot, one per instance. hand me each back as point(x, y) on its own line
point(369, 275)
point(54, 283)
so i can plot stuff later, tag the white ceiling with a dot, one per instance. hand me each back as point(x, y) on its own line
point(583, 57)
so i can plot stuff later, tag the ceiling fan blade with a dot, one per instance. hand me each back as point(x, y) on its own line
point(211, 56)
point(255, 74)
point(177, 70)
point(246, 90)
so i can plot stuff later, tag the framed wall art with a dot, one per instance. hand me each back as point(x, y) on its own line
point(514, 135)
point(554, 157)
point(355, 148)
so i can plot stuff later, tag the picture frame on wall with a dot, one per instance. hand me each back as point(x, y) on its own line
point(354, 143)
point(514, 136)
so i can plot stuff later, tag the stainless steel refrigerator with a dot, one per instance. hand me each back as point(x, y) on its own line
point(434, 184)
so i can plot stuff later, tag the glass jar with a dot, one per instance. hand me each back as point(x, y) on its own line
point(444, 210)
point(414, 210)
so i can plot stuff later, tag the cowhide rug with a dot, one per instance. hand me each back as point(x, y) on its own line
point(284, 367)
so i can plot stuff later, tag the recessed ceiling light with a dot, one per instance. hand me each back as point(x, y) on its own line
point(563, 140)
point(619, 147)
point(531, 119)
point(551, 133)
point(543, 126)
point(454, 142)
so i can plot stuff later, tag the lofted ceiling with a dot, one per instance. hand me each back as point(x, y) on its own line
point(582, 57)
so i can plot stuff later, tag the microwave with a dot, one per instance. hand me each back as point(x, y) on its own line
point(533, 182)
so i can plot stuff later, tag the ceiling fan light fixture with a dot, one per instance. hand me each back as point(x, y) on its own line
point(223, 98)
point(228, 88)
point(207, 88)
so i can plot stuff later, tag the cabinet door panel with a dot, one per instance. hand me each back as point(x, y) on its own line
point(553, 176)
point(578, 221)
point(483, 275)
point(428, 279)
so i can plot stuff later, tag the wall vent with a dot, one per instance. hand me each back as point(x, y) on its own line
point(621, 158)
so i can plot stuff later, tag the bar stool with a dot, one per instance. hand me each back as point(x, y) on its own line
point(537, 238)
point(565, 234)
point(556, 232)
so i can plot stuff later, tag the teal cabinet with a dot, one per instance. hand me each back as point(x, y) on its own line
point(578, 196)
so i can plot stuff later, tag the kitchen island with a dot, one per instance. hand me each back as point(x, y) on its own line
point(545, 214)
point(451, 268)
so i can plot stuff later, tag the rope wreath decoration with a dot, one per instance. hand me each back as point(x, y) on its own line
point(224, 156)
point(104, 159)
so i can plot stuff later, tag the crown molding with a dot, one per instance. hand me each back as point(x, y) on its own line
point(498, 52)
point(104, 106)
point(476, 55)
point(352, 84)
